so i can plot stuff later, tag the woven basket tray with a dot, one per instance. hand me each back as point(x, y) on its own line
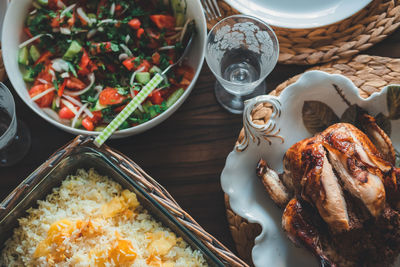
point(340, 40)
point(369, 73)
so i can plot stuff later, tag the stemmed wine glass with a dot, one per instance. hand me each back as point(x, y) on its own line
point(241, 52)
point(15, 138)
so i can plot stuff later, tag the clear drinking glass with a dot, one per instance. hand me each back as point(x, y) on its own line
point(15, 138)
point(241, 52)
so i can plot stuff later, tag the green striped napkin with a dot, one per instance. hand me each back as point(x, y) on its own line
point(127, 111)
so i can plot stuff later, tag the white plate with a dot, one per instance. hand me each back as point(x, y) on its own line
point(12, 36)
point(246, 193)
point(299, 14)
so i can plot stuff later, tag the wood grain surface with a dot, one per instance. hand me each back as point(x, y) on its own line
point(186, 153)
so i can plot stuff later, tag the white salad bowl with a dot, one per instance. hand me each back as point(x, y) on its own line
point(247, 196)
point(13, 35)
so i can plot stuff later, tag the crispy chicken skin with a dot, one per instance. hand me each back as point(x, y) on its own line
point(336, 185)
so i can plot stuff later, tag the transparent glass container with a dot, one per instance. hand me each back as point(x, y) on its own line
point(82, 153)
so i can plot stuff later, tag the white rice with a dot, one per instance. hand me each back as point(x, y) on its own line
point(81, 198)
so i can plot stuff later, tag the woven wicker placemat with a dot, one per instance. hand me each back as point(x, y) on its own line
point(340, 40)
point(369, 73)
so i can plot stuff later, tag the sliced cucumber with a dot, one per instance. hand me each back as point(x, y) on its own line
point(143, 77)
point(179, 9)
point(23, 56)
point(98, 106)
point(154, 70)
point(43, 2)
point(72, 50)
point(28, 76)
point(146, 106)
point(99, 128)
point(174, 97)
point(34, 53)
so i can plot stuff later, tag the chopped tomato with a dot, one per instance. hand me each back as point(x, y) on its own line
point(44, 75)
point(97, 48)
point(62, 87)
point(66, 113)
point(28, 32)
point(88, 124)
point(110, 96)
point(156, 98)
point(145, 65)
point(118, 7)
point(101, 4)
point(53, 4)
point(140, 33)
point(163, 21)
point(71, 20)
point(83, 65)
point(156, 58)
point(75, 83)
point(134, 24)
point(130, 64)
point(97, 116)
point(44, 101)
point(120, 108)
point(55, 22)
point(44, 57)
point(111, 68)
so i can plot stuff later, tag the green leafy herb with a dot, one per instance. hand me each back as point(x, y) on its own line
point(317, 116)
point(393, 102)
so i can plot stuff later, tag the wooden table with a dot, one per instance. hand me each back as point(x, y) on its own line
point(186, 153)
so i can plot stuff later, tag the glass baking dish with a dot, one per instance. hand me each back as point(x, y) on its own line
point(82, 153)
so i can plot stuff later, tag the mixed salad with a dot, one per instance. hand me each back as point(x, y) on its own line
point(86, 59)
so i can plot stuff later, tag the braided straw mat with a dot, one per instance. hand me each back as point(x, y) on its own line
point(369, 73)
point(340, 40)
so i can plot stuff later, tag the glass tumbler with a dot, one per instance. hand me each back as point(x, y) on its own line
point(241, 52)
point(15, 138)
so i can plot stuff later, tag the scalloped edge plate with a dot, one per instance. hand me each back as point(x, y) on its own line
point(239, 181)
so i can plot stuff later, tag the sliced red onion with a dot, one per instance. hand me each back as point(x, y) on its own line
point(43, 81)
point(58, 100)
point(91, 78)
point(184, 30)
point(60, 4)
point(77, 115)
point(83, 15)
point(33, 12)
point(65, 75)
point(60, 65)
point(68, 9)
point(69, 105)
point(134, 74)
point(122, 57)
point(65, 31)
point(53, 74)
point(112, 9)
point(168, 47)
point(38, 96)
point(91, 33)
point(126, 50)
point(56, 29)
point(34, 39)
point(127, 38)
point(100, 29)
point(107, 21)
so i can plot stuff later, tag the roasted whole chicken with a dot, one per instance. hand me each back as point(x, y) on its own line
point(340, 195)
